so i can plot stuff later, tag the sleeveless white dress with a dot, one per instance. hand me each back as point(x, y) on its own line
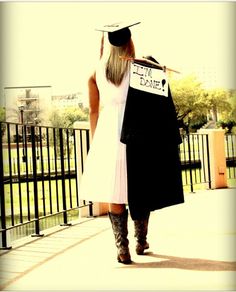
point(104, 178)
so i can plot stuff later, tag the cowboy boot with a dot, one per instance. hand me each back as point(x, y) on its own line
point(120, 230)
point(141, 229)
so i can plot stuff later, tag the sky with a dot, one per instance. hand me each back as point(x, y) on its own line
point(56, 44)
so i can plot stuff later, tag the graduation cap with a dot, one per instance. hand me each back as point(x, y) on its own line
point(118, 33)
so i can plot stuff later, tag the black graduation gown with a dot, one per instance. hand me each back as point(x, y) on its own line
point(151, 134)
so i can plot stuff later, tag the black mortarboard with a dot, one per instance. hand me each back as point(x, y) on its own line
point(118, 33)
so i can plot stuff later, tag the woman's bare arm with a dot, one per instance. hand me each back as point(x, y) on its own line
point(93, 103)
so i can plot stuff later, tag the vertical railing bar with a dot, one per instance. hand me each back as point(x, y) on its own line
point(10, 173)
point(76, 174)
point(228, 153)
point(233, 152)
point(18, 159)
point(87, 150)
point(81, 150)
point(227, 145)
point(181, 158)
point(180, 155)
point(208, 161)
point(24, 159)
point(190, 162)
point(63, 176)
point(87, 141)
point(185, 168)
point(56, 170)
point(35, 182)
point(49, 170)
point(198, 151)
point(27, 171)
point(42, 169)
point(203, 158)
point(2, 197)
point(68, 161)
point(231, 169)
point(194, 157)
point(187, 173)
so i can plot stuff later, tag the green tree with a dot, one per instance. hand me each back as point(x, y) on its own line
point(193, 103)
point(187, 96)
point(2, 114)
point(66, 118)
point(2, 119)
point(218, 101)
point(228, 115)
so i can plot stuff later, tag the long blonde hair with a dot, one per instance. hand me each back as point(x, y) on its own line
point(116, 67)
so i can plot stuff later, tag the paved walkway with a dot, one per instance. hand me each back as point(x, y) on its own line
point(192, 247)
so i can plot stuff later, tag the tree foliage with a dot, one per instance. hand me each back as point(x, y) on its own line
point(66, 118)
point(228, 116)
point(194, 103)
point(2, 114)
point(229, 113)
point(187, 96)
point(217, 100)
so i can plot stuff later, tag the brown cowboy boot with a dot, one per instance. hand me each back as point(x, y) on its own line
point(120, 230)
point(141, 229)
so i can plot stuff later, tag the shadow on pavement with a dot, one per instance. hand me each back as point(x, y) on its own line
point(171, 262)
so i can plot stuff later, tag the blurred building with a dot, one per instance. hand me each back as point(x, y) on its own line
point(68, 100)
point(28, 104)
point(33, 104)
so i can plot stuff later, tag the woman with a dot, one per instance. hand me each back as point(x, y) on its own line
point(143, 171)
point(105, 175)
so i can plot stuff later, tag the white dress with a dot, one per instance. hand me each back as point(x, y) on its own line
point(105, 175)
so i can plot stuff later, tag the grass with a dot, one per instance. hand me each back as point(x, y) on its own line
point(11, 160)
point(21, 198)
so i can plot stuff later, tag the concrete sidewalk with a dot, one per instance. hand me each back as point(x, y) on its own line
point(192, 247)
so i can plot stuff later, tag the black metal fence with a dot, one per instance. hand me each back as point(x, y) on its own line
point(38, 175)
point(195, 160)
point(230, 152)
point(40, 169)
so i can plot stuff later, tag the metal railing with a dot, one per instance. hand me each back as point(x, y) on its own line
point(195, 160)
point(38, 175)
point(230, 152)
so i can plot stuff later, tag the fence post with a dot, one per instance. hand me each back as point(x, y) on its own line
point(190, 162)
point(63, 185)
point(217, 158)
point(35, 183)
point(4, 232)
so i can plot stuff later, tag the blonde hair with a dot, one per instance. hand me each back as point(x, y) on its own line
point(116, 67)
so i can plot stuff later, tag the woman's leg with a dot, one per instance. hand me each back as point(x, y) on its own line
point(117, 208)
point(118, 215)
point(141, 230)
